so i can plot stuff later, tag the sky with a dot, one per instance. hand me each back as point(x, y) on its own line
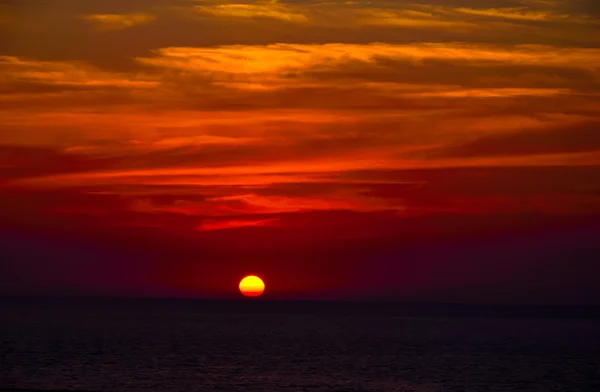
point(427, 150)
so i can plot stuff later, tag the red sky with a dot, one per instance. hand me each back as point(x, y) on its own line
point(426, 150)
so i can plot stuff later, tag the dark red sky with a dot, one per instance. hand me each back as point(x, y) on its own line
point(429, 150)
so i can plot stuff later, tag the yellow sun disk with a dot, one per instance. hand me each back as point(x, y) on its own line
point(252, 286)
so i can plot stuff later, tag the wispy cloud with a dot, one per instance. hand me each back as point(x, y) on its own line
point(228, 224)
point(282, 64)
point(261, 10)
point(409, 19)
point(281, 58)
point(270, 204)
point(415, 15)
point(60, 73)
point(517, 13)
point(119, 21)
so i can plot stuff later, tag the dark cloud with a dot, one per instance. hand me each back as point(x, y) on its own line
point(465, 73)
point(90, 6)
point(583, 137)
point(476, 182)
point(22, 161)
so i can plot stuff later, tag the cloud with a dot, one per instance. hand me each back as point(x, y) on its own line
point(395, 123)
point(331, 14)
point(119, 21)
point(232, 174)
point(286, 63)
point(21, 161)
point(228, 224)
point(377, 74)
point(453, 16)
point(264, 204)
point(307, 74)
point(517, 13)
point(266, 10)
point(409, 19)
point(28, 72)
point(477, 190)
point(305, 171)
point(271, 204)
point(575, 138)
point(148, 206)
point(459, 92)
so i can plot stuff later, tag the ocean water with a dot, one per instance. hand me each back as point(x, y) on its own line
point(148, 345)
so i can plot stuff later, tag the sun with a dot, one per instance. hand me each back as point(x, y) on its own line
point(252, 286)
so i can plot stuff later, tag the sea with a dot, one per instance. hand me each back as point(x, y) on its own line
point(102, 345)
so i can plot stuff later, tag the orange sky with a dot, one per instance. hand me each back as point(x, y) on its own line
point(319, 122)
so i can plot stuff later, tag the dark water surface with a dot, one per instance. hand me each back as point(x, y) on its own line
point(149, 345)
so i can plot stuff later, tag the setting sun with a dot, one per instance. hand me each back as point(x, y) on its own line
point(252, 286)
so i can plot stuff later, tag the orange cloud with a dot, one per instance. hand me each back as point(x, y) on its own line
point(268, 10)
point(208, 73)
point(409, 18)
point(459, 92)
point(271, 63)
point(241, 115)
point(200, 140)
point(19, 70)
point(419, 15)
point(119, 21)
point(517, 13)
point(146, 131)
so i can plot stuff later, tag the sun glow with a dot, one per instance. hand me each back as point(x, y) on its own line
point(252, 286)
